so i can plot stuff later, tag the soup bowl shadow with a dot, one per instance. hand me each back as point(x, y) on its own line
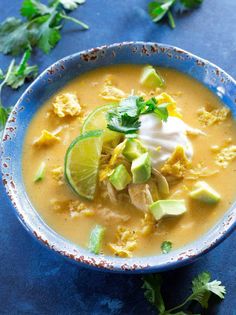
point(54, 78)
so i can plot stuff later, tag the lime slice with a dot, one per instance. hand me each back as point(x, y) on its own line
point(82, 163)
point(97, 120)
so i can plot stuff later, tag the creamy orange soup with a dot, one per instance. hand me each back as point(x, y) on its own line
point(134, 231)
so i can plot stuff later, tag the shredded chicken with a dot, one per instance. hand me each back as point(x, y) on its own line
point(141, 195)
point(109, 216)
point(177, 164)
point(126, 242)
point(66, 104)
point(209, 118)
point(225, 156)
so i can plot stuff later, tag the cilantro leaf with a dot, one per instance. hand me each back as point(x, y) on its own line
point(47, 32)
point(166, 247)
point(202, 289)
point(125, 117)
point(191, 4)
point(71, 4)
point(4, 113)
point(22, 72)
point(40, 29)
point(158, 9)
point(217, 288)
point(14, 36)
point(33, 8)
point(122, 123)
point(1, 75)
point(129, 106)
point(152, 286)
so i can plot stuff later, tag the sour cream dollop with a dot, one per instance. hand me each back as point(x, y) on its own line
point(155, 133)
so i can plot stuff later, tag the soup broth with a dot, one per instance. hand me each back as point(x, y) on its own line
point(74, 217)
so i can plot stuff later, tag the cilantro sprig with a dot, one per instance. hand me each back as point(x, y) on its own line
point(202, 289)
point(22, 72)
point(41, 27)
point(160, 9)
point(125, 117)
point(4, 112)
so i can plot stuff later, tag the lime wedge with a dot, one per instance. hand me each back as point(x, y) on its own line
point(82, 163)
point(97, 120)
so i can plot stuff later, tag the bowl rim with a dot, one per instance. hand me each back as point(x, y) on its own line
point(177, 258)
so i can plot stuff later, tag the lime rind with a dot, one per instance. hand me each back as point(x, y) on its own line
point(82, 163)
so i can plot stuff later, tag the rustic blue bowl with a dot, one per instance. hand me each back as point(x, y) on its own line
point(56, 77)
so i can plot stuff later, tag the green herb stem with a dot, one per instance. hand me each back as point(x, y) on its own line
point(171, 19)
point(25, 58)
point(6, 77)
point(69, 18)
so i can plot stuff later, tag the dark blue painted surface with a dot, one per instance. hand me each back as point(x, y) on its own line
point(36, 281)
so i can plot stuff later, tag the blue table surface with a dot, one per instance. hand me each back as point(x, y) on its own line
point(34, 280)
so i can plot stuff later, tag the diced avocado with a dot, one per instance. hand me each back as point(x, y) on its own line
point(150, 78)
point(133, 149)
point(141, 168)
point(96, 238)
point(163, 208)
point(120, 177)
point(205, 193)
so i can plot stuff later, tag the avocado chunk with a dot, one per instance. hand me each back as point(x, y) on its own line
point(164, 208)
point(133, 149)
point(141, 168)
point(204, 193)
point(150, 78)
point(120, 177)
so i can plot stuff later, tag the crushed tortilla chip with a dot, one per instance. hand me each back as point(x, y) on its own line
point(209, 118)
point(46, 138)
point(66, 104)
point(58, 174)
point(112, 93)
point(166, 98)
point(225, 156)
point(126, 242)
point(177, 164)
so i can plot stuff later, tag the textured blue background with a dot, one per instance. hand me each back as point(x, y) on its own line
point(34, 280)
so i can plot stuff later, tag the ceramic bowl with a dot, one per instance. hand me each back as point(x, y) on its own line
point(55, 77)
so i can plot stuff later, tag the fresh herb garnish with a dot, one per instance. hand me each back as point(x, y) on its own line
point(160, 9)
point(202, 289)
point(166, 247)
point(125, 117)
point(41, 28)
point(19, 74)
point(4, 112)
